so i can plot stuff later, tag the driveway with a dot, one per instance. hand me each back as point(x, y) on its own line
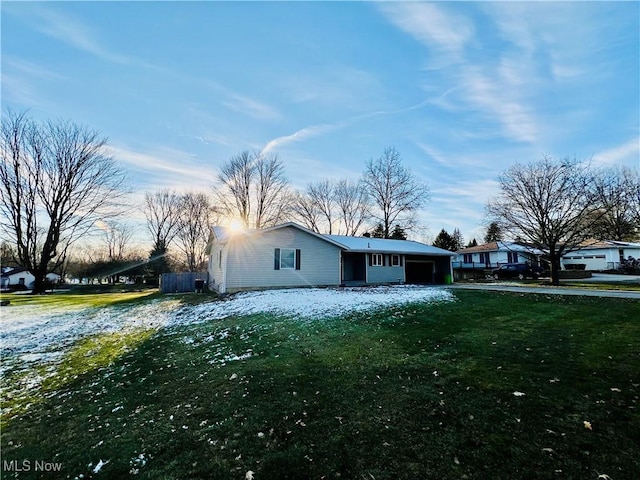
point(548, 290)
point(607, 278)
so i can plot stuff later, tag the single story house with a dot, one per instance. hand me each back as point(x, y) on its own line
point(22, 278)
point(600, 255)
point(290, 255)
point(494, 254)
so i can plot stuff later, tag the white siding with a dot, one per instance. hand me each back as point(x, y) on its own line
point(599, 258)
point(217, 263)
point(250, 261)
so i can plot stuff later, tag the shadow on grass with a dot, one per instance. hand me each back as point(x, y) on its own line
point(419, 391)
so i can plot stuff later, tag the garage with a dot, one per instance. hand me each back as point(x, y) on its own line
point(419, 271)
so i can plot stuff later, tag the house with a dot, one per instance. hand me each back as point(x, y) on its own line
point(494, 254)
point(600, 255)
point(290, 255)
point(20, 278)
point(472, 262)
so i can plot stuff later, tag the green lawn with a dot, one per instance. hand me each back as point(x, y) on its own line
point(494, 385)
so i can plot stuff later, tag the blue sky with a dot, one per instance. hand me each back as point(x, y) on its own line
point(462, 90)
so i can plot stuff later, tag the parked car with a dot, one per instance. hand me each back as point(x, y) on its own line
point(516, 270)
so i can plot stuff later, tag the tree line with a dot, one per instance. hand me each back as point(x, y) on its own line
point(58, 183)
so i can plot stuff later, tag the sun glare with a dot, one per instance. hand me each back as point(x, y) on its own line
point(236, 226)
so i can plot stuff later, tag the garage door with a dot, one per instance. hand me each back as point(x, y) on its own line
point(419, 272)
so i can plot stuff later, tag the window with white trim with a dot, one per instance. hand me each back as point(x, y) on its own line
point(287, 258)
point(376, 259)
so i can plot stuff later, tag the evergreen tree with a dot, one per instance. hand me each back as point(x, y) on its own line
point(494, 233)
point(458, 240)
point(378, 232)
point(472, 243)
point(398, 233)
point(444, 240)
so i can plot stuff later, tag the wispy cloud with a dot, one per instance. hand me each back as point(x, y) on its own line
point(626, 153)
point(250, 106)
point(18, 77)
point(430, 24)
point(72, 31)
point(501, 103)
point(302, 134)
point(165, 167)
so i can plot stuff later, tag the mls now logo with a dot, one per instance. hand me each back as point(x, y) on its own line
point(27, 466)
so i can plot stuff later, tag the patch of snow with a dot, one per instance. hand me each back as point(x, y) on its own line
point(316, 303)
point(31, 336)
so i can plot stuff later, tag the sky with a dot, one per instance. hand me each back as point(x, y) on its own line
point(462, 90)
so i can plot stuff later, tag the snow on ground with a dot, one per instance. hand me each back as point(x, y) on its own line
point(316, 303)
point(32, 336)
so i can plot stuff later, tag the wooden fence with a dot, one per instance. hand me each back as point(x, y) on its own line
point(183, 282)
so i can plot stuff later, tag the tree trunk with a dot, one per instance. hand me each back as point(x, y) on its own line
point(39, 284)
point(555, 268)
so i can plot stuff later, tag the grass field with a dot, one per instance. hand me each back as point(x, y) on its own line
point(492, 385)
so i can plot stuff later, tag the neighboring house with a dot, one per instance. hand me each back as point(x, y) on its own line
point(289, 255)
point(493, 254)
point(21, 278)
point(600, 255)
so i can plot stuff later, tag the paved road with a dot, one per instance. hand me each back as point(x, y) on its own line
point(585, 292)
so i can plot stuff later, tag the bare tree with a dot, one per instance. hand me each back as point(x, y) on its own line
point(271, 191)
point(236, 177)
point(162, 211)
point(322, 194)
point(116, 238)
point(306, 211)
point(196, 216)
point(393, 189)
point(56, 181)
point(253, 188)
point(548, 204)
point(353, 205)
point(617, 193)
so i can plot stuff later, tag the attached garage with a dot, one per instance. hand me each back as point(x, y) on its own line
point(420, 271)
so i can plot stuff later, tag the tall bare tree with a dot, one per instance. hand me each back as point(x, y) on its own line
point(116, 237)
point(271, 191)
point(253, 188)
point(56, 180)
point(394, 190)
point(236, 177)
point(353, 205)
point(322, 194)
point(162, 211)
point(617, 193)
point(306, 211)
point(549, 204)
point(196, 216)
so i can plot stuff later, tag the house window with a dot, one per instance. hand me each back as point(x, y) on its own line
point(621, 253)
point(484, 258)
point(21, 281)
point(286, 259)
point(395, 260)
point(376, 259)
point(512, 257)
point(220, 259)
point(468, 258)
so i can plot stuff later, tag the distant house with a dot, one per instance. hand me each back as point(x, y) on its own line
point(600, 255)
point(473, 262)
point(290, 255)
point(494, 254)
point(20, 278)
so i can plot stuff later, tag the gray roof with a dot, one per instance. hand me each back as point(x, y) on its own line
point(384, 245)
point(351, 244)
